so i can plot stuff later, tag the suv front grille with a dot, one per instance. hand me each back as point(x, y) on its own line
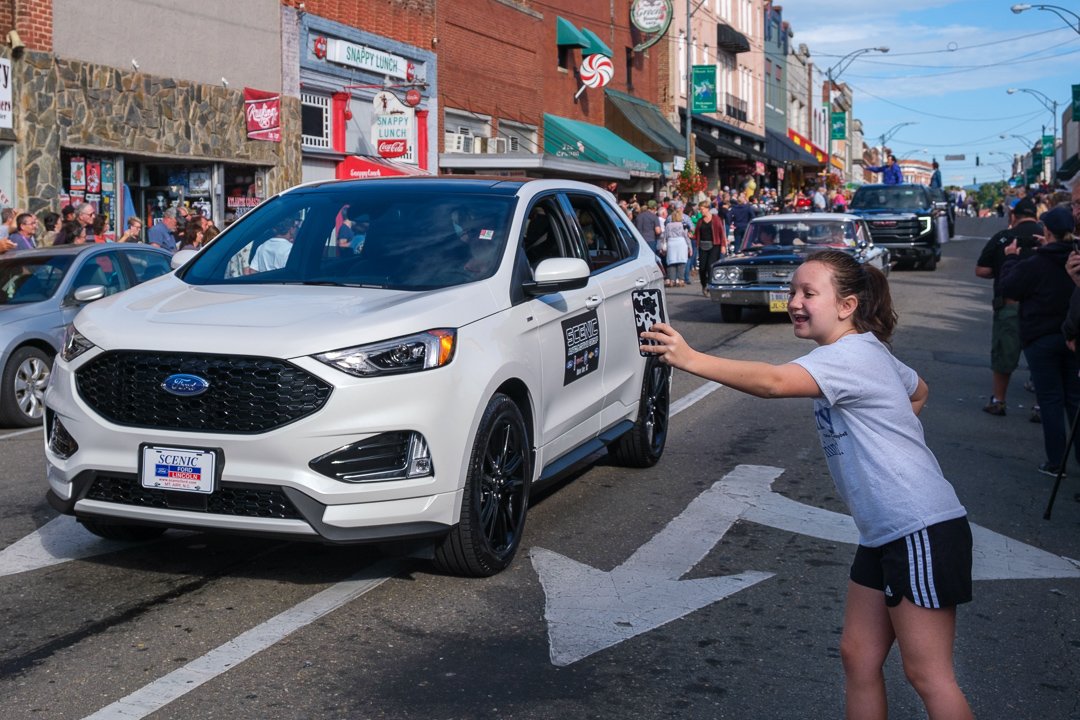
point(245, 395)
point(904, 230)
point(229, 499)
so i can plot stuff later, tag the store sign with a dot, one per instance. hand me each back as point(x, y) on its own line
point(5, 93)
point(651, 17)
point(703, 89)
point(263, 112)
point(370, 59)
point(393, 128)
point(358, 168)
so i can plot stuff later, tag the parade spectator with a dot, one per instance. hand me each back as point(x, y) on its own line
point(25, 232)
point(740, 215)
point(162, 234)
point(675, 245)
point(7, 220)
point(6, 246)
point(1044, 288)
point(97, 228)
point(191, 238)
point(648, 224)
point(51, 223)
point(890, 173)
point(912, 567)
point(67, 213)
point(274, 252)
point(133, 231)
point(820, 204)
point(1076, 200)
point(840, 202)
point(74, 233)
point(1005, 329)
point(82, 217)
point(710, 238)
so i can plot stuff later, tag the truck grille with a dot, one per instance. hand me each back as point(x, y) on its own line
point(905, 230)
point(245, 395)
point(230, 499)
point(768, 274)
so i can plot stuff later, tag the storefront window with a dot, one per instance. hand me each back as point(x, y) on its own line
point(315, 121)
point(91, 178)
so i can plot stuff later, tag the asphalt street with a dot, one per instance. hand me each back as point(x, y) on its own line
point(708, 586)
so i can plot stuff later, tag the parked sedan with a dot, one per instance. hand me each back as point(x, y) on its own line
point(759, 273)
point(40, 293)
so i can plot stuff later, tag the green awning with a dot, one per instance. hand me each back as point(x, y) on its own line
point(567, 34)
point(596, 46)
point(1069, 168)
point(578, 140)
point(649, 121)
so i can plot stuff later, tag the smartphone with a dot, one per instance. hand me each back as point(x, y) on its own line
point(648, 309)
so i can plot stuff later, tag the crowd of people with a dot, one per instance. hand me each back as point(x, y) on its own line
point(180, 228)
point(1035, 266)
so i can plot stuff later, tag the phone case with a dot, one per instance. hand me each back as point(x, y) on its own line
point(648, 309)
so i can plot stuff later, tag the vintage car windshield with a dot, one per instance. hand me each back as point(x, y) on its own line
point(361, 236)
point(827, 233)
point(31, 279)
point(890, 197)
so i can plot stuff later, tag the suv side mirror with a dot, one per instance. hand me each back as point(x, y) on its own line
point(557, 275)
point(181, 258)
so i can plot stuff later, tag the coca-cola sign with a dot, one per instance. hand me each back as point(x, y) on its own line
point(392, 148)
point(262, 110)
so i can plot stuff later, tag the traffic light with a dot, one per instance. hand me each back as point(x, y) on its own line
point(976, 161)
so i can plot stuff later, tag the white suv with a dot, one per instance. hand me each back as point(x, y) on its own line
point(366, 361)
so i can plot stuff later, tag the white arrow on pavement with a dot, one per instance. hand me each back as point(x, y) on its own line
point(588, 610)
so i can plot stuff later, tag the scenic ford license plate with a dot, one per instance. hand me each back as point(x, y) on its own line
point(183, 469)
point(778, 301)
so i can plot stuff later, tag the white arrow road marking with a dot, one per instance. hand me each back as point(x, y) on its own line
point(588, 610)
point(151, 698)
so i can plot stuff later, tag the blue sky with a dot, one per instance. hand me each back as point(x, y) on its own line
point(949, 65)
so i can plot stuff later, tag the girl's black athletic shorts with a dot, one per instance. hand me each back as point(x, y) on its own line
point(931, 567)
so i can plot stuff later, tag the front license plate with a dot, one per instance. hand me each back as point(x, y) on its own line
point(182, 469)
point(778, 301)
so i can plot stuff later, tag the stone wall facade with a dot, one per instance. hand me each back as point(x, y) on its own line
point(65, 104)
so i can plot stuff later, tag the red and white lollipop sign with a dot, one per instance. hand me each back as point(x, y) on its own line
point(595, 71)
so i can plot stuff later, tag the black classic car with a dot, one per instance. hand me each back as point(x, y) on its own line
point(759, 273)
point(905, 219)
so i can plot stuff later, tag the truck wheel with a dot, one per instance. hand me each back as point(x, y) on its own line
point(730, 313)
point(930, 263)
point(496, 496)
point(643, 445)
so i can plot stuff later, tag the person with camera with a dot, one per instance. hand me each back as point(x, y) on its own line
point(1042, 285)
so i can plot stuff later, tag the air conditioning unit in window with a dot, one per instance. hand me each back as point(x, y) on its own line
point(458, 143)
point(496, 145)
point(480, 144)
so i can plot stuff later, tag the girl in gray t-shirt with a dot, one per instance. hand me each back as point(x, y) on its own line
point(913, 564)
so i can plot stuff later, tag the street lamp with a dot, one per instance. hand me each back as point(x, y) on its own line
point(908, 154)
point(1057, 10)
point(1021, 138)
point(833, 73)
point(888, 135)
point(1051, 105)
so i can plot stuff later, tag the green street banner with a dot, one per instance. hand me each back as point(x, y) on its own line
point(1048, 145)
point(1076, 103)
point(838, 128)
point(703, 89)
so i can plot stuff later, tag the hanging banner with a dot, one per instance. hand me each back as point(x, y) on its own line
point(651, 17)
point(703, 89)
point(839, 126)
point(263, 113)
point(5, 93)
point(1047, 145)
point(1076, 103)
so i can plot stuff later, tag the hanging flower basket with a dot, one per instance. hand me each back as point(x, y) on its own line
point(691, 182)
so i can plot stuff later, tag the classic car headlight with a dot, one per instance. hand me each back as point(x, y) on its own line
point(75, 344)
point(411, 353)
point(925, 223)
point(727, 274)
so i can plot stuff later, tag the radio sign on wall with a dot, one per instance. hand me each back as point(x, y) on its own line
point(393, 128)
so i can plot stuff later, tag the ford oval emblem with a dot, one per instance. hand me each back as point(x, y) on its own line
point(185, 385)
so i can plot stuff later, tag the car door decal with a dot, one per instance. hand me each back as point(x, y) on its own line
point(581, 336)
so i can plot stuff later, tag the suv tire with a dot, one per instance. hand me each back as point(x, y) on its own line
point(643, 445)
point(24, 379)
point(496, 496)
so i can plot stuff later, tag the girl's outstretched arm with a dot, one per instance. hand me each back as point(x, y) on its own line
point(918, 398)
point(754, 378)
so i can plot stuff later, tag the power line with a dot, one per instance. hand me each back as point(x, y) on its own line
point(940, 117)
point(958, 49)
point(965, 68)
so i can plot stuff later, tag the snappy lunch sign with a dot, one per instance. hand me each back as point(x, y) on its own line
point(370, 59)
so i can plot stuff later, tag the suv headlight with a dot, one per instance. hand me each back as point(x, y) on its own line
point(925, 223)
point(728, 274)
point(422, 351)
point(75, 344)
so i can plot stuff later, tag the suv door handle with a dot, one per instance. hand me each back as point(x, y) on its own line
point(641, 282)
point(593, 301)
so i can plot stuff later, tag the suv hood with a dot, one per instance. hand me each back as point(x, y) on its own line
point(283, 321)
point(875, 214)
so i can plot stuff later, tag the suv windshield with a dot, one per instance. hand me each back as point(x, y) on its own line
point(31, 279)
point(830, 233)
point(372, 236)
point(891, 197)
